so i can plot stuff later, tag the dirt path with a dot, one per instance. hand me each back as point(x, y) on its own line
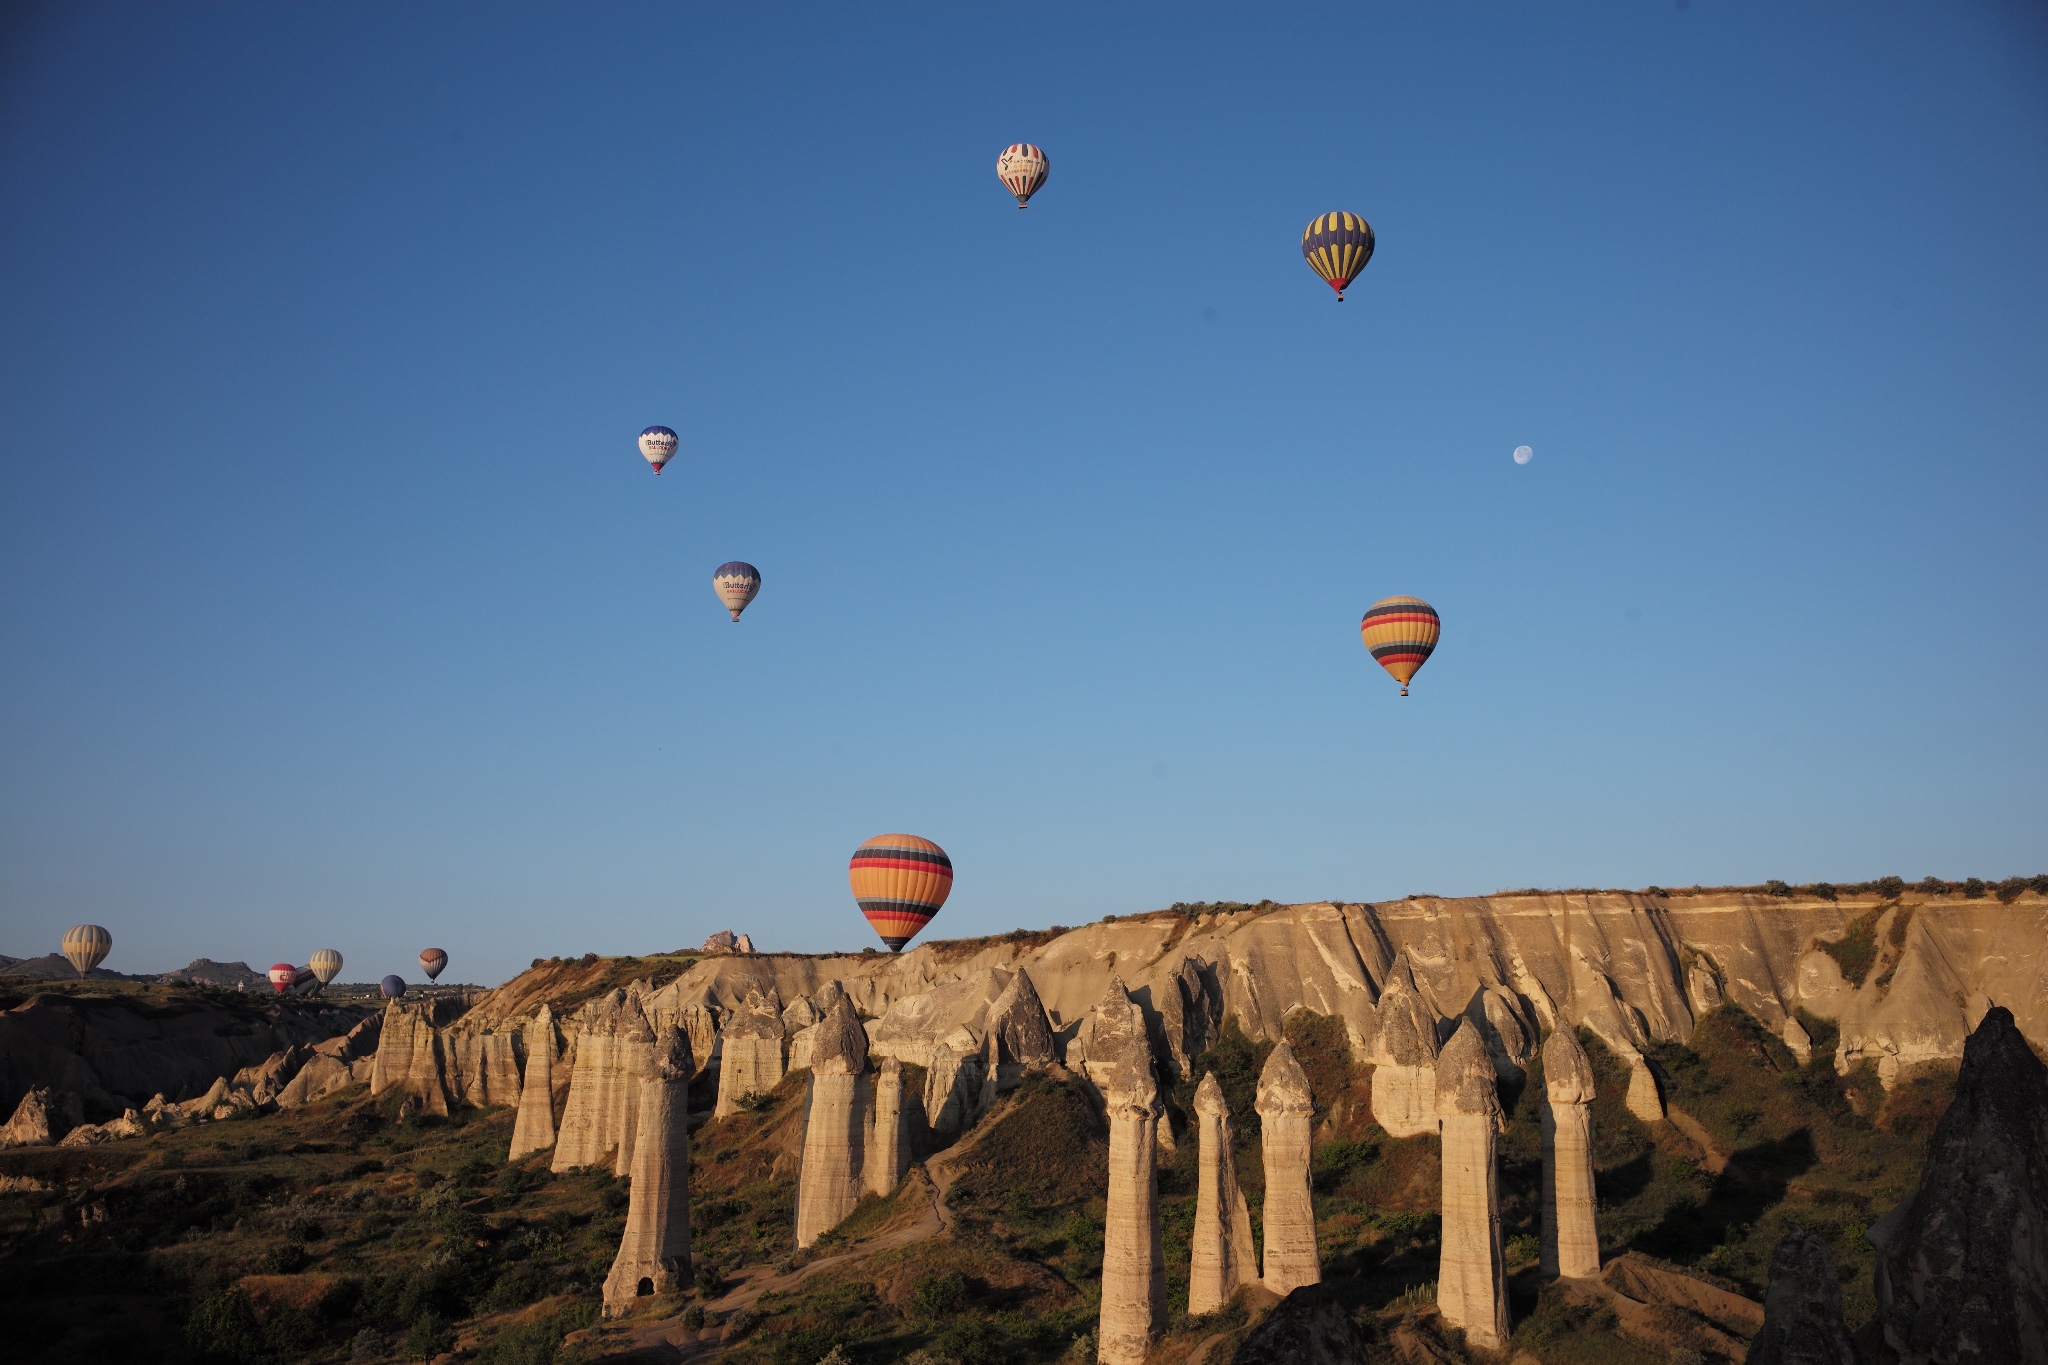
point(1717, 1160)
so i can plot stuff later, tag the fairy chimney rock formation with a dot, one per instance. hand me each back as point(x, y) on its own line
point(1571, 1238)
point(1404, 1056)
point(1284, 1109)
point(1471, 1286)
point(1643, 1100)
point(888, 1150)
point(1020, 1036)
point(1802, 1307)
point(1798, 1039)
point(750, 1052)
point(614, 1057)
point(829, 1179)
point(654, 1253)
point(1962, 1263)
point(1133, 1259)
point(534, 1129)
point(1222, 1244)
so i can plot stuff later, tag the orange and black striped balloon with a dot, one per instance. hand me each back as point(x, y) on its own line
point(899, 881)
point(1401, 632)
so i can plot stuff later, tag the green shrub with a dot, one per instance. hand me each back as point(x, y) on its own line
point(1933, 886)
point(223, 1329)
point(428, 1337)
point(2009, 890)
point(710, 1280)
point(940, 1292)
point(1774, 887)
point(1891, 888)
point(1973, 889)
point(288, 1259)
point(1822, 891)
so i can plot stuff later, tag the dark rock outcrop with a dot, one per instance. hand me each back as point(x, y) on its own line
point(116, 1052)
point(1803, 1307)
point(1962, 1267)
point(1309, 1327)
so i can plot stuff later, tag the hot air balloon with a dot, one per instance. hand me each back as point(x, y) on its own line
point(282, 974)
point(1022, 169)
point(1337, 246)
point(900, 881)
point(432, 960)
point(304, 982)
point(86, 945)
point(658, 444)
point(392, 986)
point(736, 582)
point(325, 964)
point(1401, 632)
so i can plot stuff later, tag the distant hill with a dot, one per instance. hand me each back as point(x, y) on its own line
point(234, 976)
point(56, 967)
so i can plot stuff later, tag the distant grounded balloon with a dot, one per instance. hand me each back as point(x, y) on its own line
point(1524, 454)
point(736, 582)
point(1337, 246)
point(658, 444)
point(1401, 632)
point(1022, 168)
point(432, 960)
point(325, 964)
point(304, 982)
point(282, 974)
point(899, 881)
point(392, 986)
point(86, 946)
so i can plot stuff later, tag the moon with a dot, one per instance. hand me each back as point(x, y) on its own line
point(1524, 454)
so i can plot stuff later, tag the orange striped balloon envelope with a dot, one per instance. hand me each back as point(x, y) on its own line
point(1401, 632)
point(899, 881)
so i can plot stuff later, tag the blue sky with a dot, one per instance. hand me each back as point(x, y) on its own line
point(337, 609)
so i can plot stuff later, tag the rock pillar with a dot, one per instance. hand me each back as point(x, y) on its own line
point(636, 1058)
point(1643, 1100)
point(1133, 1260)
point(1802, 1307)
point(829, 1179)
point(1571, 1239)
point(888, 1154)
point(750, 1053)
point(1224, 1257)
point(1284, 1110)
point(1404, 1056)
point(614, 1057)
point(534, 1129)
point(1471, 1283)
point(654, 1254)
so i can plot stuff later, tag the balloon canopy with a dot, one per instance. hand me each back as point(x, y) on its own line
point(392, 986)
point(86, 946)
point(326, 964)
point(282, 975)
point(1401, 632)
point(432, 960)
point(1022, 169)
point(899, 882)
point(658, 445)
point(736, 582)
point(1337, 246)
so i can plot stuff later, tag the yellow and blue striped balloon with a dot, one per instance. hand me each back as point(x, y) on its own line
point(86, 945)
point(1337, 246)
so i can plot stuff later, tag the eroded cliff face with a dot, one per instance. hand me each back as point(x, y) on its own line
point(1403, 976)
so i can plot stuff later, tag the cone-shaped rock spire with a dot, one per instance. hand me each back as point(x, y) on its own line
point(1222, 1243)
point(1284, 1109)
point(1571, 1238)
point(534, 1129)
point(1471, 1286)
point(654, 1253)
point(1133, 1259)
point(829, 1179)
